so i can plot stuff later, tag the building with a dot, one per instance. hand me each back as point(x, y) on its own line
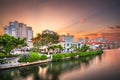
point(67, 41)
point(19, 30)
point(29, 33)
point(47, 32)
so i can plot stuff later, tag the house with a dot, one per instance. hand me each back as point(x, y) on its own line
point(67, 41)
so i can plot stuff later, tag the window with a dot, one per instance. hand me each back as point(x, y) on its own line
point(67, 44)
point(64, 45)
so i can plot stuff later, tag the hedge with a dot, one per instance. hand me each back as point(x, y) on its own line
point(33, 56)
point(2, 55)
point(59, 57)
point(43, 57)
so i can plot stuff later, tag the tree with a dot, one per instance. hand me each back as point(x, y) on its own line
point(37, 43)
point(84, 48)
point(49, 37)
point(74, 48)
point(8, 43)
point(60, 48)
point(55, 48)
point(45, 39)
point(36, 47)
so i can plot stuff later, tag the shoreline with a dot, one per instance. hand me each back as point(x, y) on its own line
point(26, 64)
point(18, 65)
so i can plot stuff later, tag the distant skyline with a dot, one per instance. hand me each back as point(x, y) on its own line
point(78, 17)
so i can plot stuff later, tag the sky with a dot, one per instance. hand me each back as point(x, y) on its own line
point(80, 18)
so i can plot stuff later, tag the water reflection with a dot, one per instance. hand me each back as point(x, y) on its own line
point(94, 67)
point(49, 71)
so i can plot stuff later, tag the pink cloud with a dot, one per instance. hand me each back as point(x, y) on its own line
point(82, 21)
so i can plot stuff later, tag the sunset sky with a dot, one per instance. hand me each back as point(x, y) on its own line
point(77, 17)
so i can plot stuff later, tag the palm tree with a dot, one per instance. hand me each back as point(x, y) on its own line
point(37, 38)
point(60, 48)
point(37, 42)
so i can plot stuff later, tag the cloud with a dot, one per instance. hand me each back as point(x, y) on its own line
point(113, 36)
point(118, 27)
point(91, 34)
point(111, 27)
point(82, 21)
point(114, 27)
point(112, 33)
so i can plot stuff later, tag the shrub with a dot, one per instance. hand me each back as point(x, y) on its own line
point(66, 55)
point(24, 58)
point(43, 57)
point(33, 56)
point(84, 48)
point(72, 55)
point(58, 57)
point(84, 54)
point(2, 54)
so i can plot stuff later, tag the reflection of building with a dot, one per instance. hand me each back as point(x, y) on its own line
point(19, 30)
point(42, 73)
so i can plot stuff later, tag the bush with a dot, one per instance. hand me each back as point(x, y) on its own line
point(43, 57)
point(58, 57)
point(24, 58)
point(2, 54)
point(84, 48)
point(66, 55)
point(33, 56)
point(84, 54)
point(72, 55)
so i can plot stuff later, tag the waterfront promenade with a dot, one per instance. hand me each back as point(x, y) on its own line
point(16, 64)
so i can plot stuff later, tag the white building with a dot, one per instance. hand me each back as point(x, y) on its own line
point(19, 30)
point(29, 33)
point(67, 41)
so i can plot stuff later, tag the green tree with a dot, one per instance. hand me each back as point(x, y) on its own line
point(74, 48)
point(37, 43)
point(47, 38)
point(60, 48)
point(36, 46)
point(55, 48)
point(8, 43)
point(84, 48)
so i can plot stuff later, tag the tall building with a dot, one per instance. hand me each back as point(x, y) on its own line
point(29, 33)
point(19, 30)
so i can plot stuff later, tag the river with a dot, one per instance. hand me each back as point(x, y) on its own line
point(101, 67)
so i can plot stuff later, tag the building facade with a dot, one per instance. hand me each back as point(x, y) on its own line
point(29, 33)
point(67, 41)
point(19, 30)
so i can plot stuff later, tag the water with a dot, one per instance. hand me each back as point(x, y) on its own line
point(102, 67)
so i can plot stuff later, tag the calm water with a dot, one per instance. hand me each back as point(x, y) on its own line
point(102, 67)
